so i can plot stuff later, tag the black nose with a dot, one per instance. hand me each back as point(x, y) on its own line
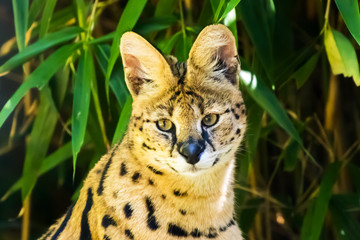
point(191, 150)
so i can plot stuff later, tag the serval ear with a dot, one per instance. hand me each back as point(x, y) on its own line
point(146, 70)
point(214, 52)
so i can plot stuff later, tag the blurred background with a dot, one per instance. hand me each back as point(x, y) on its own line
point(64, 103)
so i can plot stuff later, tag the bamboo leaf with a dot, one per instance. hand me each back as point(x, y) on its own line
point(267, 100)
point(81, 102)
point(20, 8)
point(46, 17)
point(341, 55)
point(50, 40)
point(50, 162)
point(304, 72)
point(39, 140)
point(117, 82)
point(127, 21)
point(349, 10)
point(35, 9)
point(315, 215)
point(165, 7)
point(38, 79)
point(155, 24)
point(229, 7)
point(123, 121)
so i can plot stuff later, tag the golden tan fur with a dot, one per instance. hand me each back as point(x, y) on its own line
point(168, 197)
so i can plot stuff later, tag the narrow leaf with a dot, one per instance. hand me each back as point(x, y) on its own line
point(20, 8)
point(315, 215)
point(127, 21)
point(341, 55)
point(304, 72)
point(47, 164)
point(229, 7)
point(50, 40)
point(46, 17)
point(35, 9)
point(81, 101)
point(267, 100)
point(165, 7)
point(349, 10)
point(39, 140)
point(39, 78)
point(123, 121)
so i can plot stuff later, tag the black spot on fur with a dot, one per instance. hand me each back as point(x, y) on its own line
point(123, 169)
point(216, 161)
point(196, 233)
point(135, 177)
point(146, 146)
point(238, 131)
point(182, 211)
point(63, 224)
point(163, 196)
point(177, 231)
point(232, 139)
point(128, 210)
point(154, 170)
point(212, 233)
point(151, 182)
point(107, 221)
point(178, 193)
point(85, 233)
point(98, 171)
point(106, 237)
point(140, 129)
point(227, 110)
point(151, 219)
point(243, 111)
point(129, 234)
point(101, 184)
point(236, 116)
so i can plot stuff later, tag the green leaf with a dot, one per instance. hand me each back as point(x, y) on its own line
point(229, 7)
point(169, 44)
point(341, 55)
point(315, 214)
point(50, 40)
point(267, 100)
point(304, 72)
point(290, 155)
point(183, 47)
point(349, 10)
point(117, 82)
point(47, 164)
point(81, 102)
point(46, 17)
point(20, 8)
point(127, 21)
point(165, 7)
point(39, 78)
point(39, 140)
point(123, 121)
point(35, 9)
point(155, 24)
point(346, 224)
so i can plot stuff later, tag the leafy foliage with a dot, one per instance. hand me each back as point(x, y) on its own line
point(303, 115)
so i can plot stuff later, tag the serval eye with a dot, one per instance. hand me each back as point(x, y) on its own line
point(210, 120)
point(164, 125)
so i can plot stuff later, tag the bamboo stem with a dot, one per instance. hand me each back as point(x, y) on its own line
point(25, 227)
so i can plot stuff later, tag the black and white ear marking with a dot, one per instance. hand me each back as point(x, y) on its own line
point(214, 51)
point(143, 66)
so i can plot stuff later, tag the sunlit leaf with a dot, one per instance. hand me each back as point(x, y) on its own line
point(341, 55)
point(50, 40)
point(39, 78)
point(229, 7)
point(304, 72)
point(349, 10)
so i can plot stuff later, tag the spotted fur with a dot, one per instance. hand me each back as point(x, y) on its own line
point(144, 189)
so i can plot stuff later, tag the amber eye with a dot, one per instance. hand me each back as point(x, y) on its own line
point(210, 120)
point(164, 125)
